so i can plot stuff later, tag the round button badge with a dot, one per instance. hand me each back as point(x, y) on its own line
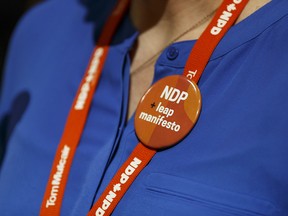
point(167, 112)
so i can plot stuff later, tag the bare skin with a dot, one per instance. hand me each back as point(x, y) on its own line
point(161, 21)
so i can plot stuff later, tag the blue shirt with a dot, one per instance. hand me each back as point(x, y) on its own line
point(234, 161)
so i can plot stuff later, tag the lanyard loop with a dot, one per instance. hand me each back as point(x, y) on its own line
point(225, 17)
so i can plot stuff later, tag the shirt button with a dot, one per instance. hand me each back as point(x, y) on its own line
point(172, 53)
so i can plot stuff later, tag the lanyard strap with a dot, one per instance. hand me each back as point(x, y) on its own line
point(141, 155)
point(224, 18)
point(76, 120)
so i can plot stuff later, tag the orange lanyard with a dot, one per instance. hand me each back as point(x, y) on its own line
point(75, 123)
point(224, 18)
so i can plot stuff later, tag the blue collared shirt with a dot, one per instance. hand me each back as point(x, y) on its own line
point(233, 162)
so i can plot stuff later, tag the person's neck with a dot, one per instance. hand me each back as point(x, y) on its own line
point(169, 16)
point(159, 23)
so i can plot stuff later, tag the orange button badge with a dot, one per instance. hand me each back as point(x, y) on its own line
point(167, 112)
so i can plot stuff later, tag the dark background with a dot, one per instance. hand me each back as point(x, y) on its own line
point(10, 12)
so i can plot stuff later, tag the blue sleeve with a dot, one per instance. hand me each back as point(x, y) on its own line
point(10, 102)
point(41, 31)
